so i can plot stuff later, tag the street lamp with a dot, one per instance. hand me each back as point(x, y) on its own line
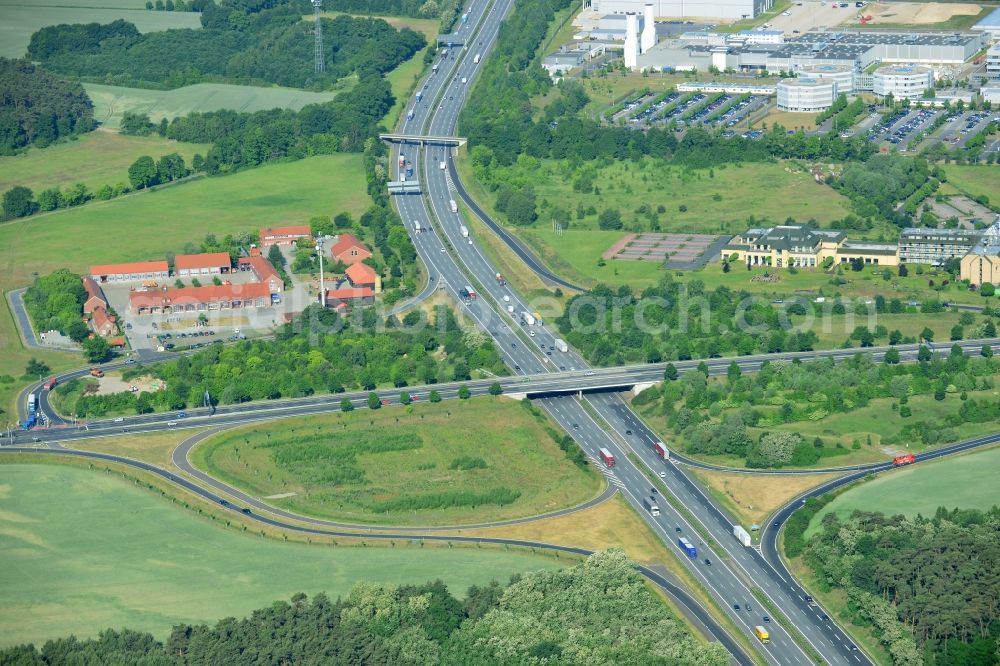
point(322, 285)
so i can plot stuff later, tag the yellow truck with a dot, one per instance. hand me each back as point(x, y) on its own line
point(762, 634)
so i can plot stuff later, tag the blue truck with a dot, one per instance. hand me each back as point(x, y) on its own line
point(688, 548)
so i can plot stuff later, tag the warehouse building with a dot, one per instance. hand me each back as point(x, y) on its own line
point(990, 25)
point(902, 81)
point(982, 263)
point(722, 9)
point(935, 246)
point(200, 299)
point(993, 61)
point(854, 51)
point(806, 94)
point(139, 271)
point(211, 263)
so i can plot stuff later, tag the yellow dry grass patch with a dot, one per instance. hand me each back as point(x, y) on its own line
point(151, 448)
point(918, 13)
point(753, 497)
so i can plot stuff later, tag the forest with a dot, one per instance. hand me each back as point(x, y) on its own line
point(929, 586)
point(38, 108)
point(715, 417)
point(320, 351)
point(559, 617)
point(240, 42)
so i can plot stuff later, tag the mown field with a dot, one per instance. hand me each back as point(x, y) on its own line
point(95, 159)
point(20, 19)
point(110, 102)
point(433, 464)
point(84, 550)
point(966, 482)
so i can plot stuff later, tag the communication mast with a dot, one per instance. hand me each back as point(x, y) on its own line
point(319, 62)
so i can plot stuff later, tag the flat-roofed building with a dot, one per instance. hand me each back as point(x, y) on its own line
point(902, 81)
point(935, 246)
point(806, 94)
point(138, 271)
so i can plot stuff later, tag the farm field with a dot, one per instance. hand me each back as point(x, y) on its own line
point(110, 102)
point(95, 159)
point(967, 482)
point(84, 550)
point(19, 20)
point(432, 464)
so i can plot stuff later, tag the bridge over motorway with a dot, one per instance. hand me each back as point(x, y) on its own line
point(423, 139)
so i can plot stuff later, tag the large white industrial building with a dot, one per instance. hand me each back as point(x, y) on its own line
point(806, 95)
point(902, 81)
point(723, 9)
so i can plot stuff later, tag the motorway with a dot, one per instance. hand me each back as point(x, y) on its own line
point(454, 258)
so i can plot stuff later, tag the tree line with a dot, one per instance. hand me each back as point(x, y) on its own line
point(238, 43)
point(38, 108)
point(553, 617)
point(929, 585)
point(55, 303)
point(717, 417)
point(320, 351)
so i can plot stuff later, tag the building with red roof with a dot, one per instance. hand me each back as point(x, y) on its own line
point(335, 298)
point(132, 272)
point(284, 235)
point(361, 275)
point(349, 250)
point(103, 322)
point(264, 271)
point(208, 263)
point(201, 299)
point(95, 296)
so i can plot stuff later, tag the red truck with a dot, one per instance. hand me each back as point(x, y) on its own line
point(899, 461)
point(51, 384)
point(608, 459)
point(661, 450)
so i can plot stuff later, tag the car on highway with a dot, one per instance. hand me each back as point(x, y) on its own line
point(181, 414)
point(824, 616)
point(653, 490)
point(223, 502)
point(131, 361)
point(386, 403)
point(767, 618)
point(748, 609)
point(120, 419)
point(245, 510)
point(506, 298)
point(708, 562)
point(663, 475)
point(736, 606)
point(678, 530)
point(590, 373)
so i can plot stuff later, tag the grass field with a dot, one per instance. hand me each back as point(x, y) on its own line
point(753, 497)
point(715, 201)
point(110, 102)
point(18, 20)
point(788, 120)
point(966, 482)
point(84, 550)
point(511, 445)
point(95, 159)
point(976, 180)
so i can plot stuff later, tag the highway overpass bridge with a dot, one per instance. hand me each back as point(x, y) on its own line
point(423, 139)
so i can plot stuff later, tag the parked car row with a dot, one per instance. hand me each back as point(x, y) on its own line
point(907, 128)
point(709, 109)
point(654, 109)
